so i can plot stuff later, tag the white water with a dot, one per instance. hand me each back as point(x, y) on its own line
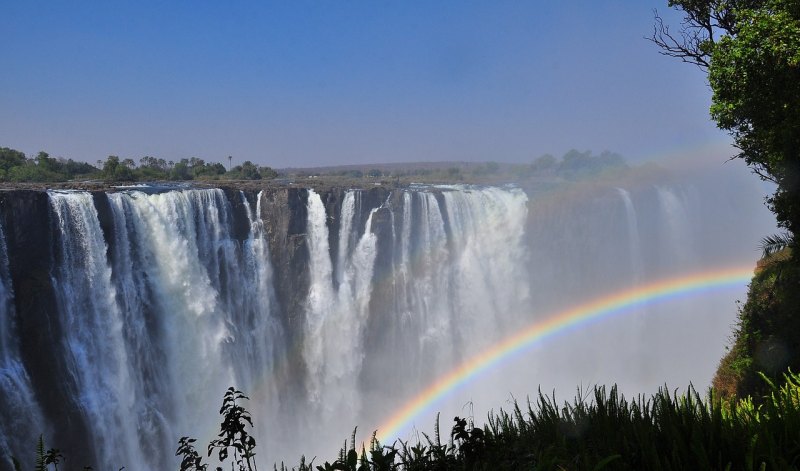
point(157, 328)
point(336, 315)
point(93, 342)
point(16, 392)
point(676, 226)
point(634, 241)
point(169, 306)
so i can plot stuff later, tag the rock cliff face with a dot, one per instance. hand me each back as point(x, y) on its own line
point(285, 216)
point(32, 239)
point(30, 244)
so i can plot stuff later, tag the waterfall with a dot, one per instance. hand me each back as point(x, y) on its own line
point(257, 320)
point(634, 241)
point(7, 340)
point(675, 225)
point(488, 261)
point(329, 308)
point(336, 314)
point(20, 415)
point(321, 296)
point(160, 318)
point(93, 343)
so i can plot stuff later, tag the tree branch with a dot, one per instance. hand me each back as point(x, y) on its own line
point(688, 48)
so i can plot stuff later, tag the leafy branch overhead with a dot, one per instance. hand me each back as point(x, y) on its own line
point(751, 51)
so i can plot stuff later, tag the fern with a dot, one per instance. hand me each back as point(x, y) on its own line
point(40, 458)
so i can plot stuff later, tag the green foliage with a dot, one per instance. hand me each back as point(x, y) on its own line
point(575, 165)
point(10, 158)
point(250, 171)
point(603, 430)
point(751, 50)
point(181, 171)
point(598, 430)
point(43, 458)
point(233, 435)
point(151, 168)
point(30, 172)
point(775, 243)
point(191, 460)
point(766, 339)
point(755, 78)
point(53, 456)
point(42, 168)
point(116, 171)
point(15, 167)
point(201, 169)
point(74, 169)
point(233, 432)
point(40, 456)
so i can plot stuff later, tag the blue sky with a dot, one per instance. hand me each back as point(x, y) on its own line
point(304, 83)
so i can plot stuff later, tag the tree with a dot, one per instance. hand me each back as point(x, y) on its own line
point(45, 162)
point(206, 169)
point(249, 171)
point(751, 51)
point(755, 77)
point(114, 170)
point(705, 22)
point(267, 173)
point(544, 163)
point(10, 158)
point(73, 168)
point(153, 163)
point(180, 171)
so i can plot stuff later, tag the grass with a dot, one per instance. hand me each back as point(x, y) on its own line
point(598, 430)
point(603, 430)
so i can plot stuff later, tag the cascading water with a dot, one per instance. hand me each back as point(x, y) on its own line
point(93, 342)
point(329, 309)
point(18, 430)
point(336, 315)
point(634, 241)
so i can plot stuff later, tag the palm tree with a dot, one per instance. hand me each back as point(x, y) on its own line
point(775, 243)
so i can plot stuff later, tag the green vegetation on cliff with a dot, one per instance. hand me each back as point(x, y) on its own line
point(767, 336)
point(16, 167)
point(573, 165)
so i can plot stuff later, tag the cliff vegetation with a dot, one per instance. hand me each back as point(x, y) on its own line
point(16, 167)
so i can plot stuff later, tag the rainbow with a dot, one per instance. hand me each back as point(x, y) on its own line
point(559, 323)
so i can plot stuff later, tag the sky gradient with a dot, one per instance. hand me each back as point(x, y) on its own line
point(307, 83)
